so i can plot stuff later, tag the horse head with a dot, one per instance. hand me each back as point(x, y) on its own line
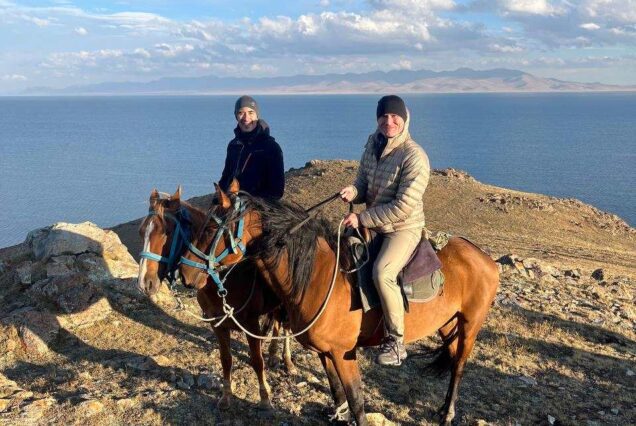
point(222, 242)
point(164, 232)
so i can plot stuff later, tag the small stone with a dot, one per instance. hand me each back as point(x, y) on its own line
point(35, 410)
point(126, 403)
point(162, 360)
point(186, 381)
point(313, 379)
point(24, 272)
point(573, 273)
point(301, 384)
point(378, 419)
point(598, 274)
point(551, 419)
point(208, 381)
point(92, 407)
point(140, 363)
point(528, 380)
point(615, 411)
point(4, 404)
point(630, 373)
point(480, 422)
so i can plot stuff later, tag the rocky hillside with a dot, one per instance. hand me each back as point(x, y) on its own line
point(79, 344)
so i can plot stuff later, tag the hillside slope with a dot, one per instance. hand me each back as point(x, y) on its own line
point(79, 345)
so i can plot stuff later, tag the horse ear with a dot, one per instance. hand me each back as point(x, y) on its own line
point(224, 200)
point(154, 195)
point(177, 195)
point(234, 186)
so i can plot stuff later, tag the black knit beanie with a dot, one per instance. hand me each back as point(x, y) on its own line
point(246, 101)
point(391, 104)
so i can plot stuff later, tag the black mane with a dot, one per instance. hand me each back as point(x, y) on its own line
point(278, 217)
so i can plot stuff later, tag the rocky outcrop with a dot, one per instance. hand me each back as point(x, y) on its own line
point(64, 276)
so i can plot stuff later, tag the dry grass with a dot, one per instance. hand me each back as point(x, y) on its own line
point(560, 349)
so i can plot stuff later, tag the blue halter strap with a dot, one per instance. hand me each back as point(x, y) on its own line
point(213, 262)
point(180, 240)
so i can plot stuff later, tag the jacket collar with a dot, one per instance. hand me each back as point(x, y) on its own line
point(261, 130)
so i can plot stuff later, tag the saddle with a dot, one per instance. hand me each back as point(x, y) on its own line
point(421, 280)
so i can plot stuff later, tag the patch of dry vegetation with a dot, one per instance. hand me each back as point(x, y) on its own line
point(553, 349)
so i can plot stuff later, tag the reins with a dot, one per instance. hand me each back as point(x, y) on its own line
point(312, 208)
point(229, 311)
point(236, 243)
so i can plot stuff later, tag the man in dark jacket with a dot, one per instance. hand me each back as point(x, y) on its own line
point(253, 156)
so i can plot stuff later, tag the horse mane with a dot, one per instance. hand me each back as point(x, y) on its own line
point(277, 218)
point(160, 207)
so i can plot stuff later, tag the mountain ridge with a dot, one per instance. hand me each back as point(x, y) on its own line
point(460, 80)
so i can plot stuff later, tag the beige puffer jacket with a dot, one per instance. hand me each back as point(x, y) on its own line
point(392, 187)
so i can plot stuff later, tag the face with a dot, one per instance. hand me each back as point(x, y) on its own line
point(247, 119)
point(157, 239)
point(390, 125)
point(157, 233)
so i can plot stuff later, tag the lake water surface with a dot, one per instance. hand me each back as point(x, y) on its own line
point(97, 158)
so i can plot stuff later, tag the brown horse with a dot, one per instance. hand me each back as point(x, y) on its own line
point(172, 220)
point(300, 268)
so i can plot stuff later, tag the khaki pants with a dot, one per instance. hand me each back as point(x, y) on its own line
point(395, 252)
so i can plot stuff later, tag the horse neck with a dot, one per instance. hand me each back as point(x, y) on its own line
point(315, 293)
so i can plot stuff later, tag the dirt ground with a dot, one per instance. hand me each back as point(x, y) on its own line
point(553, 351)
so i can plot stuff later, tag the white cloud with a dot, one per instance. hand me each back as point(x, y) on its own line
point(590, 26)
point(382, 34)
point(495, 47)
point(13, 77)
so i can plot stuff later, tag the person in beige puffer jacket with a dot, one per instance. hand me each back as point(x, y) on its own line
point(393, 174)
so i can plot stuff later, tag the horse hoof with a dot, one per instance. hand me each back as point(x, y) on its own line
point(265, 407)
point(291, 369)
point(224, 403)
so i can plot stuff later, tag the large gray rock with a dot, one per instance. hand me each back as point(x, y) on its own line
point(63, 239)
point(80, 301)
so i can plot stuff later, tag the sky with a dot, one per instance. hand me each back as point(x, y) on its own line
point(59, 43)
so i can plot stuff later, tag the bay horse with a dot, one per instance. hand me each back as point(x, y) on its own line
point(301, 269)
point(166, 234)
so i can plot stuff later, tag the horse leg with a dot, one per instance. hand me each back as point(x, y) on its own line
point(272, 361)
point(258, 364)
point(223, 336)
point(289, 364)
point(347, 368)
point(337, 391)
point(464, 345)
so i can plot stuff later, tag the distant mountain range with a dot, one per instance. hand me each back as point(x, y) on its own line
point(461, 80)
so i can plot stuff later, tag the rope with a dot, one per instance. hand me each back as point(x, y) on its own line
point(181, 307)
point(230, 311)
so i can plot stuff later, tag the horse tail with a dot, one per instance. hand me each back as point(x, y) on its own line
point(441, 361)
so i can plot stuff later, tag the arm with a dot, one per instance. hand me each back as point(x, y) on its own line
point(413, 181)
point(275, 173)
point(361, 183)
point(225, 175)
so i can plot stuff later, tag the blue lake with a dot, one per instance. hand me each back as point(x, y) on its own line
point(97, 158)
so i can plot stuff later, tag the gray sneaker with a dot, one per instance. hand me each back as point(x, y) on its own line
point(392, 352)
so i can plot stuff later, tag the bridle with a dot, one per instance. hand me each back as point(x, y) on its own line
point(212, 265)
point(180, 240)
point(213, 262)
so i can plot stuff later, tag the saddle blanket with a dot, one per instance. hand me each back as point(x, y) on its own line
point(421, 279)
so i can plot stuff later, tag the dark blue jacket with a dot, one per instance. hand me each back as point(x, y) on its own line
point(256, 160)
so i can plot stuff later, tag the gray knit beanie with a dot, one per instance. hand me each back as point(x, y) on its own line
point(246, 101)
